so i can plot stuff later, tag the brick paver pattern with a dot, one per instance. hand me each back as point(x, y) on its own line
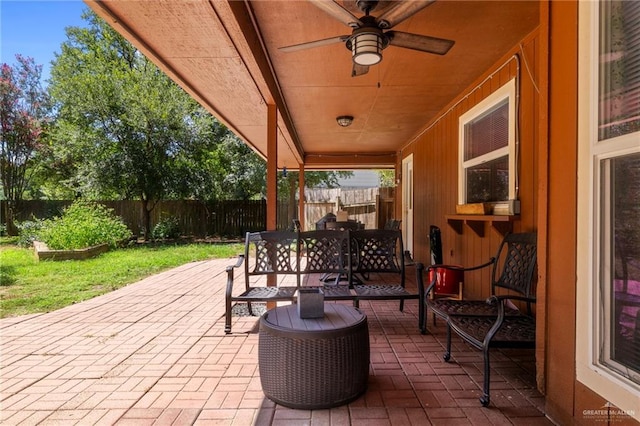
point(155, 353)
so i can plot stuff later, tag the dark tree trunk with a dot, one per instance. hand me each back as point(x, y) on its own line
point(9, 215)
point(146, 219)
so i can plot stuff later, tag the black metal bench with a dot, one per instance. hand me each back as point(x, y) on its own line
point(295, 259)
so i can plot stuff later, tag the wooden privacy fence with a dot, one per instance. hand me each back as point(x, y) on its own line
point(371, 206)
point(227, 218)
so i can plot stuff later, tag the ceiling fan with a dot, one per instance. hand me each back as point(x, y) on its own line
point(370, 35)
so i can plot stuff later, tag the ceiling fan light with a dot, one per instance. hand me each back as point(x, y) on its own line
point(344, 120)
point(366, 48)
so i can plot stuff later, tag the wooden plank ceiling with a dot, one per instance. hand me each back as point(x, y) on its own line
point(226, 54)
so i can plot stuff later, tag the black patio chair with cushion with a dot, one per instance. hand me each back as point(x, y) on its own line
point(515, 263)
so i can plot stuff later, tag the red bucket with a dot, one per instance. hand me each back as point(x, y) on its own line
point(447, 280)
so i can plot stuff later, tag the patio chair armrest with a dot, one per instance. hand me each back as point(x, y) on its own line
point(230, 274)
point(500, 319)
point(505, 302)
point(495, 298)
point(490, 262)
point(229, 292)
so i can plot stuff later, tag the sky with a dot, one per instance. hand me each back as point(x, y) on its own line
point(36, 29)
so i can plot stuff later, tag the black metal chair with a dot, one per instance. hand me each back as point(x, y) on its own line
point(515, 263)
point(496, 322)
point(485, 332)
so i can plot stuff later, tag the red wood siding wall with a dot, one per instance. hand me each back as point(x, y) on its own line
point(436, 171)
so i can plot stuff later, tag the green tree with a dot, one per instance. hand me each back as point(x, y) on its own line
point(387, 178)
point(23, 114)
point(124, 129)
point(229, 171)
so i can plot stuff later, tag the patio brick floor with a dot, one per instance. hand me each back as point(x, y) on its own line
point(155, 353)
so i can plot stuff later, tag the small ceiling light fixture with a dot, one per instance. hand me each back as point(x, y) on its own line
point(344, 120)
point(366, 46)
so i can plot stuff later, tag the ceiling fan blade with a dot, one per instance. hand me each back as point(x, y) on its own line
point(316, 43)
point(338, 12)
point(359, 70)
point(439, 46)
point(401, 11)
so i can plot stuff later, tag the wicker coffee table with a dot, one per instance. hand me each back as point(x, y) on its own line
point(314, 363)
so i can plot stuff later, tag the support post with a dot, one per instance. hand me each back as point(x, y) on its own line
point(301, 200)
point(272, 167)
point(272, 179)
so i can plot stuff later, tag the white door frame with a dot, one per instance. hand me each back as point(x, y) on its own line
point(407, 203)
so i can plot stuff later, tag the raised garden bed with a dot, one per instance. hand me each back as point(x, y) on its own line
point(44, 253)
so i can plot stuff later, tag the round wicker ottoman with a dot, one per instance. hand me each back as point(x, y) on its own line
point(314, 363)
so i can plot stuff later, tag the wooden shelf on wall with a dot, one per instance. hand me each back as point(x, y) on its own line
point(501, 223)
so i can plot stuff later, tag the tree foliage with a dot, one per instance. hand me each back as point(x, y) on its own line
point(288, 185)
point(228, 171)
point(23, 114)
point(120, 118)
point(124, 129)
point(387, 178)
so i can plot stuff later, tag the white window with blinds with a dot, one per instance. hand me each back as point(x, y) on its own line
point(487, 158)
point(608, 310)
point(619, 69)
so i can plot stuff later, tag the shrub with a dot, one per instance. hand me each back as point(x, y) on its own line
point(84, 224)
point(29, 231)
point(166, 228)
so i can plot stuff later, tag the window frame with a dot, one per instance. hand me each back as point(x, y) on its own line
point(593, 252)
point(506, 92)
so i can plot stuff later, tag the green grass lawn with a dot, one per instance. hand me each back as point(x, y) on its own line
point(28, 286)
